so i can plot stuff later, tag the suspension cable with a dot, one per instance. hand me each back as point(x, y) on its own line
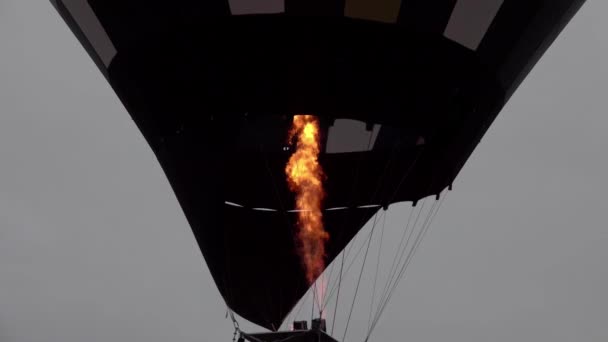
point(391, 285)
point(350, 264)
point(426, 227)
point(371, 305)
point(359, 280)
point(338, 296)
point(312, 306)
point(407, 234)
point(399, 247)
point(237, 330)
point(375, 193)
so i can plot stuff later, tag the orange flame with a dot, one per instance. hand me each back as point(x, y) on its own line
point(305, 178)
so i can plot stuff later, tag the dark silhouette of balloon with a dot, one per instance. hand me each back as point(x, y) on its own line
point(404, 90)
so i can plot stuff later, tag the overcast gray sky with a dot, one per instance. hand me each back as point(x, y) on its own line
point(94, 247)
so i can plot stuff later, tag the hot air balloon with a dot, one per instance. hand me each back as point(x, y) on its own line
point(402, 92)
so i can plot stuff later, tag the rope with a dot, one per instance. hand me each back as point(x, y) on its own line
point(411, 252)
point(336, 283)
point(371, 305)
point(426, 227)
point(359, 280)
point(333, 289)
point(401, 251)
point(378, 187)
point(338, 296)
point(237, 330)
point(391, 285)
point(399, 247)
point(314, 296)
point(418, 242)
point(353, 188)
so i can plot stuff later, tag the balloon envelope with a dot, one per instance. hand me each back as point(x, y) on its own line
point(405, 90)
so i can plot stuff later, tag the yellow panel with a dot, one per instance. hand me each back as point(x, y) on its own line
point(377, 10)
